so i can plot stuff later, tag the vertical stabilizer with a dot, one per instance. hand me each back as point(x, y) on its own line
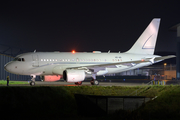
point(147, 41)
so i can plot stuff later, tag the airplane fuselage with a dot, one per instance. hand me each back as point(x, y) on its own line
point(53, 63)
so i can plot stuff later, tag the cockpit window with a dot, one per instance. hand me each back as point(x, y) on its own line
point(15, 59)
point(19, 59)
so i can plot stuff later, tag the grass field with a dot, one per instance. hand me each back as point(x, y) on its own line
point(166, 106)
point(59, 101)
point(4, 82)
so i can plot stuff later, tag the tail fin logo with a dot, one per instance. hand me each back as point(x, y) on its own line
point(149, 43)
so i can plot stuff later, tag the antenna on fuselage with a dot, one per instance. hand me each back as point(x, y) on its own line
point(34, 51)
point(109, 51)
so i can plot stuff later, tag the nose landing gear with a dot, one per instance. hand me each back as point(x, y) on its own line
point(33, 77)
point(32, 83)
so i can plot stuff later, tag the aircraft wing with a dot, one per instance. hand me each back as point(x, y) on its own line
point(126, 63)
point(108, 65)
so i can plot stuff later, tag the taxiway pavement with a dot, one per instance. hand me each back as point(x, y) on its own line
point(101, 83)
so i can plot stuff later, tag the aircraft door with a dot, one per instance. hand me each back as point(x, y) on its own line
point(35, 59)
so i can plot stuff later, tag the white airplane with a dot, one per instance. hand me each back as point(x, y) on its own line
point(74, 67)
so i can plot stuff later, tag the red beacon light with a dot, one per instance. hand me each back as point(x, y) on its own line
point(73, 51)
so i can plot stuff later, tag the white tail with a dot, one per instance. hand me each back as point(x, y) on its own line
point(147, 41)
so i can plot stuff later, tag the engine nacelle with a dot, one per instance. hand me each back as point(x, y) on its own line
point(74, 75)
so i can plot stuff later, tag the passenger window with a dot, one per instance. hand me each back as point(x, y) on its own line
point(15, 59)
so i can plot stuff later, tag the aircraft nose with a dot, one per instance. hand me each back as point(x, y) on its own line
point(6, 67)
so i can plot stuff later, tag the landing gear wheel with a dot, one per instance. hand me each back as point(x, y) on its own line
point(94, 82)
point(33, 77)
point(32, 83)
point(78, 83)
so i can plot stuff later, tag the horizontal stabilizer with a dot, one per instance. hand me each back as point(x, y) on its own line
point(153, 60)
point(164, 57)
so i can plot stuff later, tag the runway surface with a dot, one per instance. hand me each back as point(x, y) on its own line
point(88, 84)
point(101, 83)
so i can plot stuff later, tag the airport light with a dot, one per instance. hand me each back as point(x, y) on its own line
point(165, 66)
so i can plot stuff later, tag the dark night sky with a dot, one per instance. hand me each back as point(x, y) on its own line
point(85, 25)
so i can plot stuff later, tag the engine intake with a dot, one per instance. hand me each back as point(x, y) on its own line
point(74, 75)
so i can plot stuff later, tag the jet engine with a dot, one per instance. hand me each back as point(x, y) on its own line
point(74, 75)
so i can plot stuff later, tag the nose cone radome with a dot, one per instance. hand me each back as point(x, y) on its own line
point(12, 67)
point(6, 67)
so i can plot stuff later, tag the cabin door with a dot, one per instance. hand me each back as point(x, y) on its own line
point(35, 59)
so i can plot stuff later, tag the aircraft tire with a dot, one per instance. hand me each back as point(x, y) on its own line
point(78, 83)
point(96, 82)
point(92, 82)
point(32, 83)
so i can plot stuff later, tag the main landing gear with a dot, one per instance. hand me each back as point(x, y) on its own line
point(78, 83)
point(94, 82)
point(32, 83)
